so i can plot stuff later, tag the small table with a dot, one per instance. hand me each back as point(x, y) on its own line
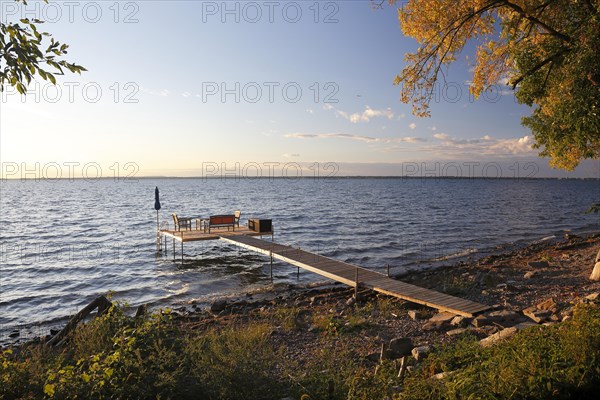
point(200, 223)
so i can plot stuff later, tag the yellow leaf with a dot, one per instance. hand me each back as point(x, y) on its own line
point(49, 389)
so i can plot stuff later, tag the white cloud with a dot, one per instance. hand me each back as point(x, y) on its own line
point(365, 116)
point(486, 145)
point(514, 146)
point(412, 125)
point(360, 138)
point(310, 111)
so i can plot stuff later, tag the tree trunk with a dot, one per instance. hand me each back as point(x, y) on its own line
point(102, 303)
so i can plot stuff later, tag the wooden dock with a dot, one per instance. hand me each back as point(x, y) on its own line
point(339, 271)
point(355, 276)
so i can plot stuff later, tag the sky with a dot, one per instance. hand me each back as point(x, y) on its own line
point(203, 88)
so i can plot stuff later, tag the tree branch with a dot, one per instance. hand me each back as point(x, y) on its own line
point(538, 66)
point(537, 21)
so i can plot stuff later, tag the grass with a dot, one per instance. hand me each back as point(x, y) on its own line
point(116, 356)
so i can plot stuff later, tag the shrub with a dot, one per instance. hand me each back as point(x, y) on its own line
point(237, 362)
point(561, 361)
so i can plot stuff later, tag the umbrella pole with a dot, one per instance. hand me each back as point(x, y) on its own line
point(158, 241)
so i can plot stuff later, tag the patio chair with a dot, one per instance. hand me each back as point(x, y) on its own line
point(237, 214)
point(180, 222)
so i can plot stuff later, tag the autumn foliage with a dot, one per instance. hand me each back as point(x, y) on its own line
point(547, 50)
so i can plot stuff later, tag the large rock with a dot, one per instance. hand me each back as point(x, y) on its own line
point(442, 317)
point(548, 305)
point(419, 352)
point(538, 264)
point(217, 306)
point(499, 336)
point(595, 276)
point(414, 315)
point(398, 347)
point(594, 297)
point(438, 321)
point(460, 321)
point(457, 331)
point(480, 320)
point(505, 317)
point(536, 315)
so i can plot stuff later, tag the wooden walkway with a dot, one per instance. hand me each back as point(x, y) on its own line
point(351, 274)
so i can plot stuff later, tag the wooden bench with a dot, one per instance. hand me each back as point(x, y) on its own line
point(221, 221)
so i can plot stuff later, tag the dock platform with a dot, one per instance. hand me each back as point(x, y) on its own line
point(194, 235)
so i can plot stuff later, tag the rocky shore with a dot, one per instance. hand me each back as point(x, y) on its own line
point(538, 284)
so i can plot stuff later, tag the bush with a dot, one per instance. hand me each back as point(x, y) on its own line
point(115, 356)
point(562, 361)
point(143, 361)
point(234, 363)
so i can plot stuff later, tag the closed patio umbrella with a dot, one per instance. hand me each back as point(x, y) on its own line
point(156, 205)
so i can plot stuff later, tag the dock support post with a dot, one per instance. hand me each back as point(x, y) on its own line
point(173, 249)
point(271, 252)
point(388, 270)
point(166, 246)
point(182, 247)
point(356, 285)
point(298, 273)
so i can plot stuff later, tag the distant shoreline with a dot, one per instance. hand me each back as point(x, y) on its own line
point(409, 177)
